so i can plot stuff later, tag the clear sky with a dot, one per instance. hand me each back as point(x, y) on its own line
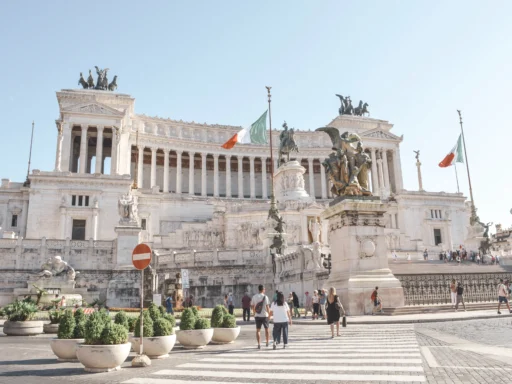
point(414, 62)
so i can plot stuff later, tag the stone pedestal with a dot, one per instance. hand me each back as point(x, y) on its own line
point(128, 237)
point(358, 254)
point(289, 182)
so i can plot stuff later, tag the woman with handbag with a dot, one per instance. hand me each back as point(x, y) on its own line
point(334, 311)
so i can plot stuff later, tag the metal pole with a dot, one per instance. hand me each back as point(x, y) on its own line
point(141, 310)
point(456, 177)
point(271, 148)
point(473, 210)
point(27, 181)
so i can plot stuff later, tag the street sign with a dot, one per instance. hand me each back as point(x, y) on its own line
point(157, 299)
point(184, 279)
point(141, 256)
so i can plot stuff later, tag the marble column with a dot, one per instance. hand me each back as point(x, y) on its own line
point(228, 175)
point(420, 179)
point(153, 167)
point(83, 149)
point(375, 178)
point(191, 156)
point(386, 170)
point(380, 172)
point(398, 170)
point(165, 187)
point(99, 150)
point(178, 171)
point(95, 224)
point(311, 178)
point(203, 174)
point(264, 188)
point(63, 222)
point(58, 155)
point(140, 167)
point(113, 153)
point(252, 177)
point(216, 175)
point(240, 177)
point(324, 182)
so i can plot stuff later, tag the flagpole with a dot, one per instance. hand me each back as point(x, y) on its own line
point(27, 181)
point(473, 210)
point(271, 155)
point(456, 177)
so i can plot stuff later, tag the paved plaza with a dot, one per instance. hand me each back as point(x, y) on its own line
point(470, 351)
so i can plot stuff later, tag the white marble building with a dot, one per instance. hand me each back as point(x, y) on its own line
point(199, 205)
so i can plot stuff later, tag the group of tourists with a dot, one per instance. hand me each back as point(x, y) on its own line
point(457, 294)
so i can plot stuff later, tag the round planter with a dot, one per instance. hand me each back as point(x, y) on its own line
point(23, 328)
point(195, 338)
point(51, 328)
point(225, 335)
point(65, 349)
point(157, 347)
point(102, 358)
point(130, 340)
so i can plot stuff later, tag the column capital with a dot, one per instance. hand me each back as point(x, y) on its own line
point(310, 160)
point(100, 128)
point(251, 158)
point(240, 157)
point(178, 152)
point(84, 127)
point(141, 147)
point(153, 150)
point(263, 159)
point(216, 156)
point(191, 154)
point(204, 154)
point(228, 157)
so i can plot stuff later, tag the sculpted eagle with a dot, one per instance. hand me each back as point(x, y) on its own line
point(343, 142)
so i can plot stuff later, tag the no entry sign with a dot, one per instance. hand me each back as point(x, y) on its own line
point(141, 256)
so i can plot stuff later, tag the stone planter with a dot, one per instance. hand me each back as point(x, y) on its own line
point(195, 338)
point(23, 328)
point(102, 358)
point(51, 328)
point(65, 349)
point(225, 335)
point(130, 340)
point(157, 347)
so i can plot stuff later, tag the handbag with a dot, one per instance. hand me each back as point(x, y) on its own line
point(344, 321)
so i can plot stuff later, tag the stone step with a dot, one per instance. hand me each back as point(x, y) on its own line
point(418, 309)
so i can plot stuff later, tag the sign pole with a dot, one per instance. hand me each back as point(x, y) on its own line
point(141, 349)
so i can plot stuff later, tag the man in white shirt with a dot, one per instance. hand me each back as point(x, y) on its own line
point(261, 310)
point(503, 296)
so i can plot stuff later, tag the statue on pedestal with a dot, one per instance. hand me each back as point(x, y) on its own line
point(287, 143)
point(316, 229)
point(55, 266)
point(126, 209)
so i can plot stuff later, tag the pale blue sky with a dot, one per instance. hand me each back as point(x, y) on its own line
point(414, 62)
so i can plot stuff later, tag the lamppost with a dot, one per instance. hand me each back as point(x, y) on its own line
point(327, 262)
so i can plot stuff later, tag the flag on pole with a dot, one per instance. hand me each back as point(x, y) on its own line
point(257, 134)
point(455, 155)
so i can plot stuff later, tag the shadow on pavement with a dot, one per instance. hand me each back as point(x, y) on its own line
point(30, 362)
point(55, 372)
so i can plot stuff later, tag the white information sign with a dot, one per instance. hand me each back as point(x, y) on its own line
point(184, 279)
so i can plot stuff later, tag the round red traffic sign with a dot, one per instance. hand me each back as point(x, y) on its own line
point(141, 256)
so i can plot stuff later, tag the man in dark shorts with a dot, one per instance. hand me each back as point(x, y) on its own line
point(503, 294)
point(261, 311)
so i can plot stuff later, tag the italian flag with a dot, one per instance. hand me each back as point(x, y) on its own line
point(257, 134)
point(455, 155)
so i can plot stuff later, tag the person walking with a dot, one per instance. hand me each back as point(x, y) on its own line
point(377, 303)
point(408, 257)
point(296, 305)
point(503, 294)
point(309, 305)
point(282, 315)
point(246, 306)
point(478, 259)
point(321, 301)
point(261, 310)
point(231, 304)
point(334, 311)
point(460, 298)
point(225, 301)
point(316, 306)
point(453, 292)
point(289, 302)
point(425, 255)
point(168, 305)
point(395, 256)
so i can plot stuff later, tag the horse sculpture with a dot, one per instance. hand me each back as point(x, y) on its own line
point(90, 80)
point(365, 109)
point(358, 111)
point(82, 81)
point(287, 144)
point(113, 85)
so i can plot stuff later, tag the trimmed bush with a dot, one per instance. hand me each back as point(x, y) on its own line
point(66, 325)
point(80, 316)
point(162, 327)
point(224, 310)
point(229, 321)
point(55, 316)
point(162, 310)
point(217, 316)
point(154, 312)
point(202, 324)
point(121, 319)
point(79, 332)
point(94, 328)
point(131, 323)
point(114, 334)
point(20, 311)
point(147, 326)
point(196, 311)
point(188, 320)
point(170, 318)
point(106, 317)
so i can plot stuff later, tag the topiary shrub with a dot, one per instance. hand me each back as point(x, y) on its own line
point(229, 321)
point(20, 310)
point(217, 316)
point(93, 328)
point(147, 326)
point(121, 319)
point(55, 316)
point(154, 312)
point(196, 311)
point(170, 318)
point(106, 317)
point(202, 324)
point(162, 327)
point(162, 310)
point(79, 332)
point(114, 334)
point(188, 320)
point(224, 310)
point(131, 323)
point(80, 316)
point(66, 325)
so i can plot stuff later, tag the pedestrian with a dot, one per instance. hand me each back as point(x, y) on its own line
point(458, 259)
point(453, 293)
point(62, 302)
point(408, 257)
point(377, 303)
point(460, 298)
point(309, 305)
point(289, 302)
point(296, 305)
point(261, 311)
point(503, 294)
point(225, 301)
point(395, 256)
point(478, 258)
point(246, 306)
point(316, 306)
point(334, 311)
point(321, 301)
point(425, 254)
point(231, 304)
point(282, 315)
point(168, 305)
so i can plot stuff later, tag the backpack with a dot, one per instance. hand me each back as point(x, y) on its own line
point(460, 290)
point(259, 305)
point(374, 296)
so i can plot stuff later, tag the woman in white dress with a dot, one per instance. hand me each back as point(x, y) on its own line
point(280, 311)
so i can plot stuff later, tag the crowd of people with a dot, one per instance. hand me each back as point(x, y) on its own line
point(457, 256)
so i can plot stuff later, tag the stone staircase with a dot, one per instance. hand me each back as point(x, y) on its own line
point(439, 308)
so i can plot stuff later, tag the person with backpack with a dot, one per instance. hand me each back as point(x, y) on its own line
point(334, 311)
point(296, 305)
point(377, 304)
point(261, 311)
point(503, 294)
point(282, 317)
point(460, 298)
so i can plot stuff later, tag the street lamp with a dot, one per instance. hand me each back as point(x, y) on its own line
point(327, 262)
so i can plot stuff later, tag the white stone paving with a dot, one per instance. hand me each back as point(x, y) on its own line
point(393, 357)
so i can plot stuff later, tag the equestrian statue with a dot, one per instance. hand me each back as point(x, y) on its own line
point(102, 83)
point(287, 143)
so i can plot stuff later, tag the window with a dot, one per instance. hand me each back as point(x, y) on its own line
point(80, 200)
point(86, 201)
point(73, 200)
point(431, 213)
point(437, 236)
point(78, 230)
point(143, 224)
point(14, 221)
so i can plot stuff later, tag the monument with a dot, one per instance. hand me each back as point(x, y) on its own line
point(359, 260)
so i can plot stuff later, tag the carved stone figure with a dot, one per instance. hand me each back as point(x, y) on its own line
point(55, 266)
point(486, 227)
point(287, 143)
point(90, 80)
point(417, 154)
point(126, 208)
point(82, 82)
point(113, 85)
point(315, 228)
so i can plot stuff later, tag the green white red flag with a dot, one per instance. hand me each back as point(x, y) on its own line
point(455, 155)
point(257, 134)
